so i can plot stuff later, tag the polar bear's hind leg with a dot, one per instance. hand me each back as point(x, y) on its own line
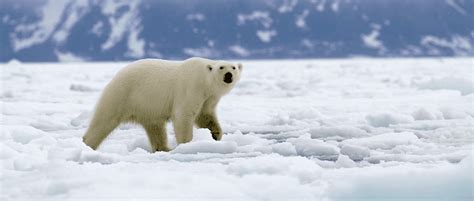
point(98, 130)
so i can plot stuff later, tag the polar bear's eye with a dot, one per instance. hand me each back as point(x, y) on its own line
point(222, 67)
point(233, 67)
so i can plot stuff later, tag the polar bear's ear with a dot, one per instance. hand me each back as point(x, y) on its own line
point(209, 67)
point(240, 66)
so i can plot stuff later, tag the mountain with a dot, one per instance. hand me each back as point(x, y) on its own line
point(93, 30)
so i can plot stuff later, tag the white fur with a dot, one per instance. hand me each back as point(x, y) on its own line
point(152, 91)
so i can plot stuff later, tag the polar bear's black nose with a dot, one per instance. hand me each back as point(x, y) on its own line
point(228, 78)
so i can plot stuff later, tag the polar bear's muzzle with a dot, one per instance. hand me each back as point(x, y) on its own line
point(228, 78)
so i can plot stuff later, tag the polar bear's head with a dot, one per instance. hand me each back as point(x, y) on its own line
point(224, 73)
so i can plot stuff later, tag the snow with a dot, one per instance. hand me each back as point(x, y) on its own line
point(200, 52)
point(456, 7)
point(300, 19)
point(239, 50)
point(384, 141)
point(372, 40)
point(337, 132)
point(261, 17)
point(287, 6)
point(460, 45)
point(69, 57)
point(266, 35)
point(27, 35)
point(196, 16)
point(75, 11)
point(136, 45)
point(349, 129)
point(126, 23)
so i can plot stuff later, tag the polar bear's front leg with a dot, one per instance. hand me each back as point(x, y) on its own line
point(207, 118)
point(157, 136)
point(210, 122)
point(183, 127)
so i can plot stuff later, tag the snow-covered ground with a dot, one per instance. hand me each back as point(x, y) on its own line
point(355, 129)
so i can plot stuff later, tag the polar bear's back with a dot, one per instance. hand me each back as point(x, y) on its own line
point(146, 88)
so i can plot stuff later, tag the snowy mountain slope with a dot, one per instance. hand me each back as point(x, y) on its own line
point(51, 30)
point(366, 129)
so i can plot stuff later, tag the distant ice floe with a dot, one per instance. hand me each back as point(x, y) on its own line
point(429, 182)
point(386, 119)
point(463, 85)
point(337, 132)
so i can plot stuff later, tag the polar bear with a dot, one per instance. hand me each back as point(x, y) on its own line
point(151, 92)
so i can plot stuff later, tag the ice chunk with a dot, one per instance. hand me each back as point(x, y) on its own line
point(386, 119)
point(7, 94)
point(81, 88)
point(220, 147)
point(49, 125)
point(337, 133)
point(70, 154)
point(202, 134)
point(22, 164)
point(442, 181)
point(140, 142)
point(22, 134)
point(243, 140)
point(306, 113)
point(7, 152)
point(384, 141)
point(281, 119)
point(356, 153)
point(306, 146)
point(97, 157)
point(345, 162)
point(120, 149)
point(426, 114)
point(45, 140)
point(284, 149)
point(81, 119)
point(305, 170)
point(453, 113)
point(14, 62)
